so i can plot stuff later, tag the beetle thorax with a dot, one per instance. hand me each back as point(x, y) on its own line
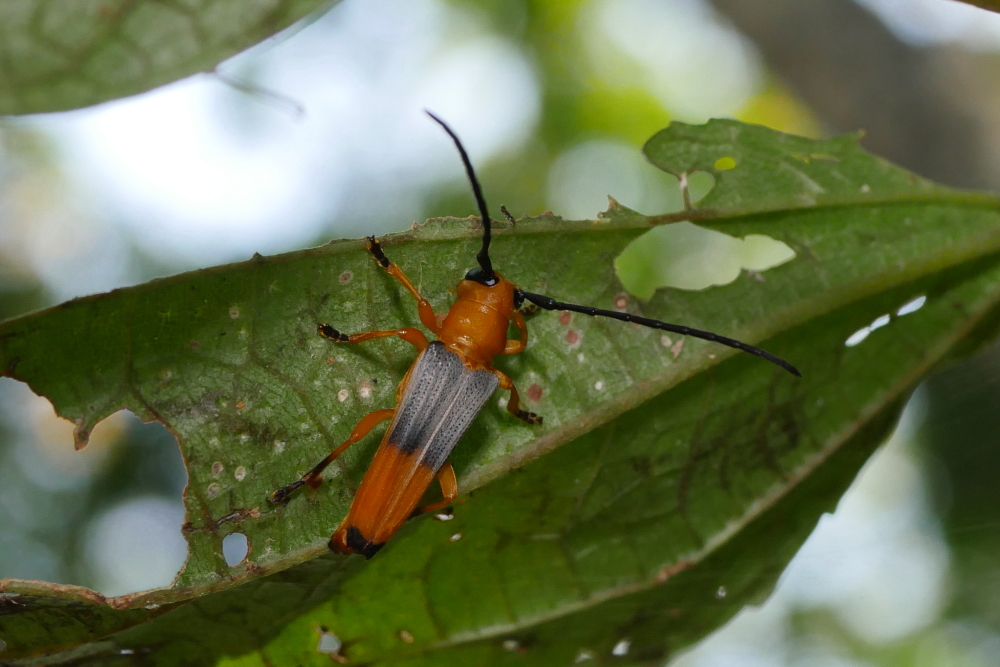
point(476, 325)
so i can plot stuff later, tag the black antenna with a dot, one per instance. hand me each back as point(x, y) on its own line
point(549, 303)
point(486, 276)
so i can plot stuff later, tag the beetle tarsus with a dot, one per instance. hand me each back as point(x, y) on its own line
point(528, 417)
point(281, 495)
point(326, 331)
point(375, 248)
point(529, 309)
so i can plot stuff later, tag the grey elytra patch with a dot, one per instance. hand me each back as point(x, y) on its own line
point(345, 277)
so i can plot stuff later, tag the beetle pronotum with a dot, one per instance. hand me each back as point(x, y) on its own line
point(445, 389)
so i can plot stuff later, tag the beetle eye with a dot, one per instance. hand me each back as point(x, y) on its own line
point(480, 276)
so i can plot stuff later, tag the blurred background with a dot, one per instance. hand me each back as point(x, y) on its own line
point(319, 134)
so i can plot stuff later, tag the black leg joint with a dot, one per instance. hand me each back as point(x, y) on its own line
point(326, 331)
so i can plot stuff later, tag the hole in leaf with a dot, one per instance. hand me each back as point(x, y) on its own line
point(912, 306)
point(329, 643)
point(685, 256)
point(123, 492)
point(621, 648)
point(136, 545)
point(856, 337)
point(879, 322)
point(235, 548)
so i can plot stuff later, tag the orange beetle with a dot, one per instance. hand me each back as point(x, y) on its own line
point(445, 389)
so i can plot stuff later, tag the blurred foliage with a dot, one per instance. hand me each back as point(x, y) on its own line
point(65, 55)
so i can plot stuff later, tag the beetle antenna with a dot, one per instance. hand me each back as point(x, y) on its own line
point(549, 303)
point(484, 253)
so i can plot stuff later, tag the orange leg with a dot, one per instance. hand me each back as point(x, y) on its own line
point(313, 478)
point(423, 306)
point(514, 404)
point(517, 346)
point(449, 489)
point(414, 337)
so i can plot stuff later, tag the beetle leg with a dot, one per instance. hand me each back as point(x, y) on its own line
point(314, 478)
point(423, 306)
point(449, 489)
point(414, 337)
point(514, 404)
point(517, 346)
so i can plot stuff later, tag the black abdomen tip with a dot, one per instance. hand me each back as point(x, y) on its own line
point(357, 543)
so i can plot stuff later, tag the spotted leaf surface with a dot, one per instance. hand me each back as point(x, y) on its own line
point(669, 485)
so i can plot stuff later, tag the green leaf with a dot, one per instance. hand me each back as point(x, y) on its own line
point(64, 55)
point(666, 468)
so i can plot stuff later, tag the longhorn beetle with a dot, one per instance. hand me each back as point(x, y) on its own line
point(445, 389)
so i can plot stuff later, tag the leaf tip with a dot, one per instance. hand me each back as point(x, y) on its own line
point(81, 435)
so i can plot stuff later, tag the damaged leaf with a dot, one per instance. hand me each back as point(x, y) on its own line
point(660, 460)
